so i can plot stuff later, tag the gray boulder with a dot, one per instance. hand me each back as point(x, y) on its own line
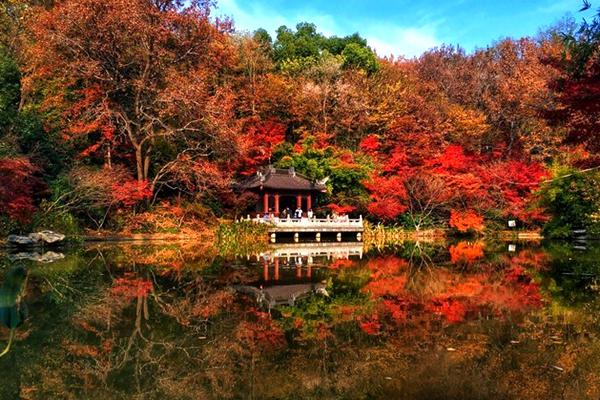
point(45, 258)
point(47, 237)
point(20, 240)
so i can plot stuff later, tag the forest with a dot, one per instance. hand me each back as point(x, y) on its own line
point(139, 115)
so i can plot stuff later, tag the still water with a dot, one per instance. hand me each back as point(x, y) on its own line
point(461, 320)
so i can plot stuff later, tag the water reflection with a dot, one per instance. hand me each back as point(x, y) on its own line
point(13, 310)
point(419, 320)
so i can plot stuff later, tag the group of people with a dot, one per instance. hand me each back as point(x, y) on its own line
point(287, 214)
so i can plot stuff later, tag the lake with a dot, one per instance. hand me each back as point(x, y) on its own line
point(417, 320)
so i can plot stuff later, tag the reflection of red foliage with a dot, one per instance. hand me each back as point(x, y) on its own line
point(453, 296)
point(392, 286)
point(453, 310)
point(347, 312)
point(530, 259)
point(131, 287)
point(466, 252)
point(261, 333)
point(216, 302)
point(529, 291)
point(386, 266)
point(372, 327)
point(398, 310)
point(341, 263)
point(298, 323)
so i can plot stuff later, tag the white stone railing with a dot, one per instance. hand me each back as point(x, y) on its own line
point(337, 222)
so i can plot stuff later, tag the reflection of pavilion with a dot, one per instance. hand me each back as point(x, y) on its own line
point(301, 257)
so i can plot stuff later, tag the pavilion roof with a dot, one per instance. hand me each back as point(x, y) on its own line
point(280, 179)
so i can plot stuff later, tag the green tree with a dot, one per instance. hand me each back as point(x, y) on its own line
point(573, 199)
point(294, 51)
point(10, 91)
point(360, 57)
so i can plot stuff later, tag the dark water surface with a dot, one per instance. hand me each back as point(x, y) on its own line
point(462, 320)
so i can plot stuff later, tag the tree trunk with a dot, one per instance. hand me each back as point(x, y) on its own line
point(139, 163)
point(146, 165)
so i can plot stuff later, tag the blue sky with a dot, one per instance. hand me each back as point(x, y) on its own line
point(404, 27)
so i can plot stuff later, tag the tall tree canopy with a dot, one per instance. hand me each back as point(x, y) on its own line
point(136, 79)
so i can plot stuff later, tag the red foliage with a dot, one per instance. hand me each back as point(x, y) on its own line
point(259, 141)
point(452, 160)
point(516, 181)
point(466, 221)
point(131, 192)
point(340, 209)
point(388, 195)
point(369, 144)
point(18, 185)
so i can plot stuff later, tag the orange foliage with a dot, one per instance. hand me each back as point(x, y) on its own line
point(131, 192)
point(466, 221)
point(466, 252)
point(130, 287)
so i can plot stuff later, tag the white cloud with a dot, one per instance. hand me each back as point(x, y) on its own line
point(398, 41)
point(385, 39)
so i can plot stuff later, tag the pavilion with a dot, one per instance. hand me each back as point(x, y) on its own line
point(281, 188)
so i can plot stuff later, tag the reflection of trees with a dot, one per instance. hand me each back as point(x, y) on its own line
point(149, 334)
point(424, 289)
point(12, 307)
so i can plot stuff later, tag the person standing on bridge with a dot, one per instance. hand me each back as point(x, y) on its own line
point(309, 214)
point(298, 213)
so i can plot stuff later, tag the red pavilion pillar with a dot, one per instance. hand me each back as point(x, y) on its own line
point(266, 202)
point(308, 202)
point(299, 201)
point(266, 270)
point(276, 272)
point(277, 205)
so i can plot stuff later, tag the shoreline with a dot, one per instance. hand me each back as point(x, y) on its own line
point(378, 235)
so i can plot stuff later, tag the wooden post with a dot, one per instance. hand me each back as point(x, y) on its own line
point(298, 271)
point(277, 205)
point(308, 202)
point(276, 272)
point(299, 201)
point(266, 203)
